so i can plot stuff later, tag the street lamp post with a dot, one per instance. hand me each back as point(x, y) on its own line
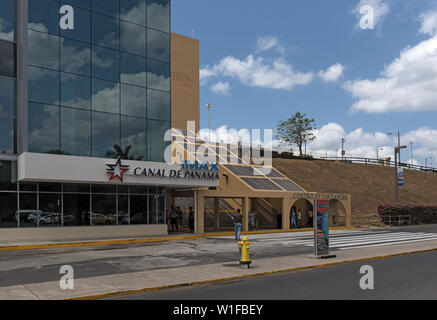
point(209, 106)
point(398, 149)
point(377, 152)
point(343, 140)
point(411, 144)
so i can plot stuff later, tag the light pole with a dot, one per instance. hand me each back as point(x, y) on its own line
point(398, 149)
point(426, 162)
point(209, 106)
point(411, 144)
point(343, 140)
point(377, 152)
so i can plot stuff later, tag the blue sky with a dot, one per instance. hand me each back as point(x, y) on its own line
point(263, 61)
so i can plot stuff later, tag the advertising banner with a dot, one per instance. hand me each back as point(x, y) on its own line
point(321, 227)
point(400, 177)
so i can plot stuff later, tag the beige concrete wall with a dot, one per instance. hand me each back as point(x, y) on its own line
point(80, 233)
point(185, 103)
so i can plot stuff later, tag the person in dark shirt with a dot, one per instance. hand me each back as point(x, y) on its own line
point(238, 220)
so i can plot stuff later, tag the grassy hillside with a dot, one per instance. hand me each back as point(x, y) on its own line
point(369, 185)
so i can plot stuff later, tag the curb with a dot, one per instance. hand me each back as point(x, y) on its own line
point(145, 240)
point(196, 283)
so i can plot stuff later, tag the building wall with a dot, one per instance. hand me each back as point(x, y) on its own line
point(104, 85)
point(185, 104)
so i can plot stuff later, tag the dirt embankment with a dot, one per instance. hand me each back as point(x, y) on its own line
point(369, 185)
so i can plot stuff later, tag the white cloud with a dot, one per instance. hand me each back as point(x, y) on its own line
point(333, 73)
point(266, 43)
point(360, 143)
point(258, 72)
point(429, 23)
point(221, 88)
point(380, 9)
point(409, 83)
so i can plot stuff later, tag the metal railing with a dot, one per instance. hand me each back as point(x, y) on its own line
point(397, 220)
point(381, 162)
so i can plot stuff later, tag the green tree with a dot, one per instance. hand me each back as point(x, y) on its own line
point(296, 130)
point(124, 154)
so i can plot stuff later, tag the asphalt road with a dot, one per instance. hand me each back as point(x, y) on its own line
point(35, 266)
point(410, 277)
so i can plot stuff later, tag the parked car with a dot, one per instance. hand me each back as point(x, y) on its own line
point(44, 218)
point(24, 215)
point(69, 220)
point(98, 218)
point(139, 218)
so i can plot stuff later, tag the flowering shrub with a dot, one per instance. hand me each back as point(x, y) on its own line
point(420, 214)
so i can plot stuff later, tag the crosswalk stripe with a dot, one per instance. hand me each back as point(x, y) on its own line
point(368, 238)
point(387, 244)
point(354, 244)
point(361, 238)
point(372, 239)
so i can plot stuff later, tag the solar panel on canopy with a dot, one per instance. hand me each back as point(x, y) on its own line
point(288, 185)
point(261, 184)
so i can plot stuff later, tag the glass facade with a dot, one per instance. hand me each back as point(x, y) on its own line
point(7, 78)
point(27, 205)
point(104, 85)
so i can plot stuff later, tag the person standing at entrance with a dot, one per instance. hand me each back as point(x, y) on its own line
point(180, 216)
point(293, 217)
point(299, 218)
point(252, 220)
point(310, 216)
point(173, 219)
point(238, 220)
point(191, 219)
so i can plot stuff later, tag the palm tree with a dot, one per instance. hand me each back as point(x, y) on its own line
point(123, 154)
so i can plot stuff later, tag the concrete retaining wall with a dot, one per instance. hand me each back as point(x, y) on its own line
point(80, 233)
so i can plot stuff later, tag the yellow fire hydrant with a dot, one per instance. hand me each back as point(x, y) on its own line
point(244, 249)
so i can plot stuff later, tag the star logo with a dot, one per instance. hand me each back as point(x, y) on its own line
point(117, 170)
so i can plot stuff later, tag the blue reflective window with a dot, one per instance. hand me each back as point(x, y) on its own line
point(133, 11)
point(134, 137)
point(133, 100)
point(82, 26)
point(158, 105)
point(76, 132)
point(86, 4)
point(7, 59)
point(43, 85)
point(158, 45)
point(108, 7)
point(156, 145)
point(43, 128)
point(132, 38)
point(158, 75)
point(75, 91)
point(7, 20)
point(158, 14)
point(44, 16)
point(7, 135)
point(133, 70)
point(106, 64)
point(43, 50)
point(75, 57)
point(106, 96)
point(105, 134)
point(7, 97)
point(105, 31)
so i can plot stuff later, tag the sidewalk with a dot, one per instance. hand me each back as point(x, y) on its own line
point(12, 246)
point(137, 282)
